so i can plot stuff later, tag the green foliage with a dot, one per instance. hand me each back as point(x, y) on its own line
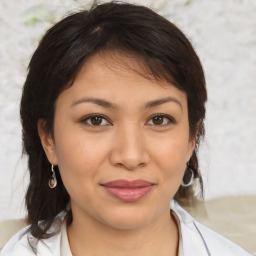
point(188, 2)
point(38, 13)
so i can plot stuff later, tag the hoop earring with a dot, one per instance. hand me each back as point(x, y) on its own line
point(53, 180)
point(188, 178)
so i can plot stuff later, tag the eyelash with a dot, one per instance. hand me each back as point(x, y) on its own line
point(86, 118)
point(164, 116)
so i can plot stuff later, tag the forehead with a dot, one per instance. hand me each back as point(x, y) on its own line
point(117, 77)
point(116, 63)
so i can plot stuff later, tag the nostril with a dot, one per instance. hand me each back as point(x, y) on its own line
point(129, 161)
point(129, 150)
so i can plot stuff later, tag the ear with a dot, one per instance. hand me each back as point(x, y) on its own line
point(47, 142)
point(191, 147)
point(192, 142)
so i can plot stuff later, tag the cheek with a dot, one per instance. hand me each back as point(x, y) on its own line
point(79, 158)
point(172, 152)
point(77, 149)
point(170, 158)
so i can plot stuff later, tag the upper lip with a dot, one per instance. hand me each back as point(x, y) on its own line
point(128, 184)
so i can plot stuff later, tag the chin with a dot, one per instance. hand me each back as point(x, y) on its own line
point(127, 224)
point(127, 219)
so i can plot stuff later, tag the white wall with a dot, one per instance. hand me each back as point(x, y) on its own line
point(224, 35)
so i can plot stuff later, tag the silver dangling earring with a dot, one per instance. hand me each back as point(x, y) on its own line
point(188, 178)
point(53, 180)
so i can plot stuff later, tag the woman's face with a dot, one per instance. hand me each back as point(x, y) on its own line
point(121, 142)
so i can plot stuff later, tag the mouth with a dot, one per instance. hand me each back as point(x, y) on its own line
point(128, 191)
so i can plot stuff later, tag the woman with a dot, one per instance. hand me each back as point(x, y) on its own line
point(112, 113)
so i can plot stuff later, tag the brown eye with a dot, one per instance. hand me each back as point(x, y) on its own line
point(161, 120)
point(95, 120)
point(158, 120)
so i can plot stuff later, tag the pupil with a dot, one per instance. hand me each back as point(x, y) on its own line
point(158, 120)
point(96, 120)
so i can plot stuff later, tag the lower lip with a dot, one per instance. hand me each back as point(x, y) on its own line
point(129, 194)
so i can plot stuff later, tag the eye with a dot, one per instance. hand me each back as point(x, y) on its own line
point(161, 120)
point(95, 120)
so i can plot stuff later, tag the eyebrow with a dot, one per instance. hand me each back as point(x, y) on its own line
point(158, 102)
point(100, 102)
point(107, 104)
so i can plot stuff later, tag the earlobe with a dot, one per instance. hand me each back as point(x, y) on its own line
point(47, 142)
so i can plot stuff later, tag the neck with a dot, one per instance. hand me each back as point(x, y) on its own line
point(91, 237)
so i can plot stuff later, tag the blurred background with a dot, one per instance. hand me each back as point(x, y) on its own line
point(224, 36)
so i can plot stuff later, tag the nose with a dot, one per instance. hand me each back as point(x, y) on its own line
point(129, 149)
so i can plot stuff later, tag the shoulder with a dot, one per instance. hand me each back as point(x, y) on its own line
point(198, 237)
point(21, 243)
point(8, 228)
point(217, 243)
point(18, 244)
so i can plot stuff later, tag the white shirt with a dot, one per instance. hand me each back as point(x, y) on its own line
point(64, 244)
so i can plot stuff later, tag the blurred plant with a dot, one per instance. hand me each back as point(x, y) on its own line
point(38, 13)
point(188, 2)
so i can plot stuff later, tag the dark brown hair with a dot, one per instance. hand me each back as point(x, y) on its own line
point(107, 28)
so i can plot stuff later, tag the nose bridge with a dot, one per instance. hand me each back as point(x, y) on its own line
point(131, 139)
point(130, 150)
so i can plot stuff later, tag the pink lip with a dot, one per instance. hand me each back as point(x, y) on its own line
point(128, 191)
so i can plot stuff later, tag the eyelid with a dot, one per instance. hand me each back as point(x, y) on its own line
point(170, 118)
point(87, 117)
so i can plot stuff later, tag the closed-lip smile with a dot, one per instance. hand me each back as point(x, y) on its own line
point(128, 190)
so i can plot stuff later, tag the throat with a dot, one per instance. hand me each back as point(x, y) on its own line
point(150, 241)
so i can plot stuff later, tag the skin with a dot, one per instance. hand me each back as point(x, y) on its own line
point(128, 143)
